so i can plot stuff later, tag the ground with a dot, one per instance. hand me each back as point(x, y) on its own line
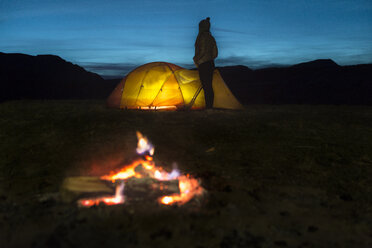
point(276, 176)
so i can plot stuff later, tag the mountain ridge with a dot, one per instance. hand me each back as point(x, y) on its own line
point(319, 81)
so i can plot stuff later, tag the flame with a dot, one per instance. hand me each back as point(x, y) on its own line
point(189, 187)
point(143, 145)
point(167, 200)
point(127, 172)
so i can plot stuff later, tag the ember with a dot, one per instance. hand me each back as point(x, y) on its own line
point(142, 179)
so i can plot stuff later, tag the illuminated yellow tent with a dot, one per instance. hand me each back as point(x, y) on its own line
point(161, 85)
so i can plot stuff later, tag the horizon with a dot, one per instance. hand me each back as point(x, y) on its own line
point(113, 38)
point(190, 66)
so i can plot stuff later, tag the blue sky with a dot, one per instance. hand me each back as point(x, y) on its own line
point(112, 37)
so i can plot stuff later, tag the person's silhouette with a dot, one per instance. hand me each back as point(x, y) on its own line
point(205, 53)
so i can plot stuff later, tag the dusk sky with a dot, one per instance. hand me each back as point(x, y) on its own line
point(113, 37)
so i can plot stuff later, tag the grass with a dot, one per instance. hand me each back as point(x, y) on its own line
point(285, 175)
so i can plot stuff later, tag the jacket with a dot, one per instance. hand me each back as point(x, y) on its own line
point(205, 44)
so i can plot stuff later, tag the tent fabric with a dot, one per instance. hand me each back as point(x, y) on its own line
point(161, 85)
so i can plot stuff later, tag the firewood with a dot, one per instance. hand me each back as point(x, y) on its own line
point(149, 188)
point(136, 189)
point(76, 187)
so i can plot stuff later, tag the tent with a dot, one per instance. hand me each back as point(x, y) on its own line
point(161, 85)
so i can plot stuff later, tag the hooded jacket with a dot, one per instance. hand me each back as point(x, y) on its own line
point(205, 45)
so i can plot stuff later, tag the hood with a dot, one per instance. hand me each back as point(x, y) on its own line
point(204, 25)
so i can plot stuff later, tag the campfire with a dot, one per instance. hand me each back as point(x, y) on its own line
point(140, 180)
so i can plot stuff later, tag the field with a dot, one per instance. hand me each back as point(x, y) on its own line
point(276, 176)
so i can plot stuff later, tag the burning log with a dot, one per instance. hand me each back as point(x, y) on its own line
point(76, 187)
point(149, 188)
point(136, 189)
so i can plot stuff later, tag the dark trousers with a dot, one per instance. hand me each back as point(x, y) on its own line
point(206, 77)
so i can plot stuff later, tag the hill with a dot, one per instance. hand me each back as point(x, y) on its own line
point(314, 82)
point(47, 77)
